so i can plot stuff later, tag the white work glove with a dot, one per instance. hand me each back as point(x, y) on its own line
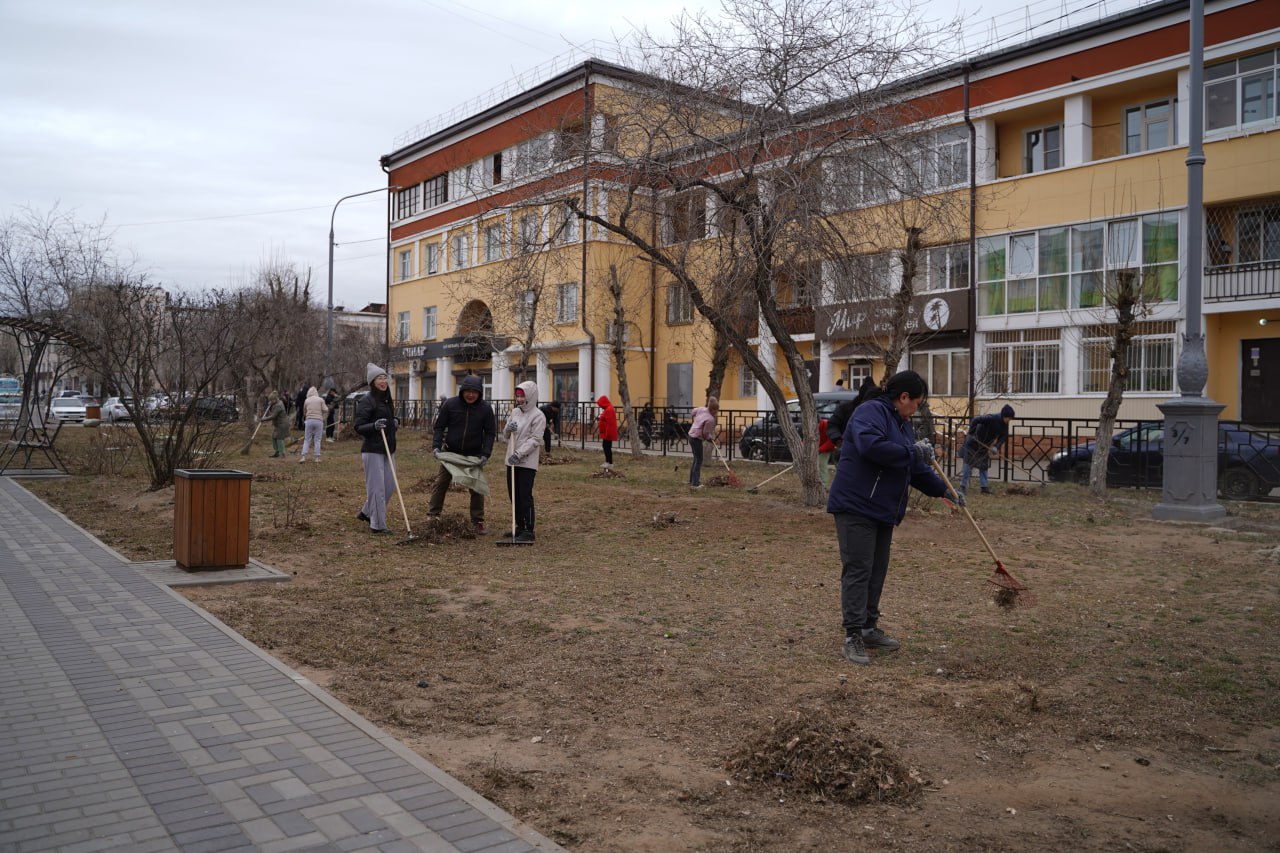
point(923, 452)
point(511, 427)
point(513, 458)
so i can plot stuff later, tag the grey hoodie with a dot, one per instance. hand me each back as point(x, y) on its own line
point(526, 441)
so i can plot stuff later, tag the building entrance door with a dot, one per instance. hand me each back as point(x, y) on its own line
point(1260, 381)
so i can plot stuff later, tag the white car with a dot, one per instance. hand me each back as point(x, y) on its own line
point(114, 410)
point(68, 409)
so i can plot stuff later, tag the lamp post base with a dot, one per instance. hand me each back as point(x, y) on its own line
point(1190, 490)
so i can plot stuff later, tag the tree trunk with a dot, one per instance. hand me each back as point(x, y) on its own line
point(1126, 298)
point(620, 361)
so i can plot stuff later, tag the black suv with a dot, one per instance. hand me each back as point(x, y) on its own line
point(763, 440)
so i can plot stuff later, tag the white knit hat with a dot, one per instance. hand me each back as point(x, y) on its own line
point(372, 372)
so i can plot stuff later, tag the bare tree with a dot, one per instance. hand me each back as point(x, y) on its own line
point(724, 144)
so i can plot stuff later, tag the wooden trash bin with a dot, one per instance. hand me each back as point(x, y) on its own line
point(211, 518)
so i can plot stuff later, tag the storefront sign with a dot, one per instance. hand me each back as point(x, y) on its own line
point(462, 348)
point(945, 311)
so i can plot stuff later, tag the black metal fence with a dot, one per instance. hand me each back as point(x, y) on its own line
point(1039, 449)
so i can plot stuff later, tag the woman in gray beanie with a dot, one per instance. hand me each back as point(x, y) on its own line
point(375, 421)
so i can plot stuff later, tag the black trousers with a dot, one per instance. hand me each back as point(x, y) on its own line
point(864, 558)
point(523, 495)
point(608, 451)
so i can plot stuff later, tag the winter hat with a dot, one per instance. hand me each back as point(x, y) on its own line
point(273, 396)
point(471, 382)
point(372, 372)
point(1006, 412)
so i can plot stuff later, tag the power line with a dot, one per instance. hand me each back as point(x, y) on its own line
point(230, 216)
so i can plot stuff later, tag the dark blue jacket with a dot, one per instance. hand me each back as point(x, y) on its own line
point(877, 465)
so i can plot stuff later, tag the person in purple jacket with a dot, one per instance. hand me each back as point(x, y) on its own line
point(880, 461)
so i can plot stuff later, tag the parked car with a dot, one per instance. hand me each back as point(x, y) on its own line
point(763, 440)
point(216, 409)
point(116, 409)
point(67, 409)
point(1248, 460)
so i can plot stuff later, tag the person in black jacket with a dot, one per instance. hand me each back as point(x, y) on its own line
point(465, 425)
point(552, 413)
point(375, 422)
point(298, 402)
point(331, 420)
point(987, 435)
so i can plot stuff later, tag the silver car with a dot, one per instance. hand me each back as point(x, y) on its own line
point(115, 410)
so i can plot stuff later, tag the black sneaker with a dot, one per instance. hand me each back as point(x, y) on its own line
point(524, 537)
point(360, 516)
point(986, 491)
point(877, 639)
point(855, 651)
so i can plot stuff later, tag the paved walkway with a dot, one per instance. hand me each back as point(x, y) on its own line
point(131, 720)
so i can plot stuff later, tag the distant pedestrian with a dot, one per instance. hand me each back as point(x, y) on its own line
point(702, 429)
point(840, 384)
point(525, 424)
point(550, 411)
point(646, 424)
point(988, 434)
point(827, 451)
point(375, 422)
point(313, 412)
point(279, 419)
point(466, 426)
point(608, 428)
point(880, 461)
point(331, 419)
point(298, 402)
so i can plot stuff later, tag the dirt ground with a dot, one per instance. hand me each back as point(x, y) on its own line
point(661, 671)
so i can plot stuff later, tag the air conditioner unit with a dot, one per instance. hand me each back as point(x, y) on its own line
point(415, 366)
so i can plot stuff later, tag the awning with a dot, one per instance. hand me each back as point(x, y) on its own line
point(858, 351)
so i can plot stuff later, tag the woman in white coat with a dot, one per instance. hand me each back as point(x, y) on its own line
point(524, 443)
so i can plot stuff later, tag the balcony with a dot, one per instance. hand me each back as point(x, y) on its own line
point(1242, 281)
point(1242, 247)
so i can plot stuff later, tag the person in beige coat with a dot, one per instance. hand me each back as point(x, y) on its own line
point(313, 412)
point(524, 444)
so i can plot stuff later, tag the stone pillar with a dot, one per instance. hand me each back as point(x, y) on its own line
point(826, 373)
point(769, 359)
point(544, 374)
point(444, 377)
point(503, 381)
point(1077, 131)
point(584, 374)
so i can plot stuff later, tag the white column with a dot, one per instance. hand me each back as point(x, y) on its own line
point(1077, 130)
point(604, 372)
point(1182, 121)
point(764, 349)
point(826, 373)
point(415, 383)
point(503, 380)
point(1070, 361)
point(584, 375)
point(544, 375)
point(444, 377)
point(984, 146)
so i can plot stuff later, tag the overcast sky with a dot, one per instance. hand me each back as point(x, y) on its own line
point(213, 134)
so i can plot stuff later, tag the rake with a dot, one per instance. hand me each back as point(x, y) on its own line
point(756, 488)
point(731, 478)
point(244, 451)
point(1010, 590)
point(396, 482)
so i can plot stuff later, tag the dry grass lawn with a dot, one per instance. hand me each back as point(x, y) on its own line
point(661, 671)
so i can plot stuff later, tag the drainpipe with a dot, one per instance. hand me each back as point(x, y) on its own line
point(973, 241)
point(586, 162)
point(386, 252)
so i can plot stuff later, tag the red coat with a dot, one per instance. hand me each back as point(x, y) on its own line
point(608, 419)
point(825, 445)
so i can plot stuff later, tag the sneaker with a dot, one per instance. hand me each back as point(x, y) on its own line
point(524, 537)
point(360, 516)
point(479, 528)
point(877, 639)
point(695, 486)
point(986, 491)
point(855, 651)
point(607, 465)
point(330, 440)
point(377, 531)
point(302, 461)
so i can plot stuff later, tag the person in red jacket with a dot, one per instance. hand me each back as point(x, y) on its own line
point(826, 453)
point(608, 426)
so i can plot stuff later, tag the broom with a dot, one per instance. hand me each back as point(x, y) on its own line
point(733, 481)
point(1010, 589)
point(396, 482)
point(248, 444)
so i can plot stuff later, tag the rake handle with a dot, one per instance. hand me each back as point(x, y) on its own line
point(976, 528)
point(395, 480)
point(777, 475)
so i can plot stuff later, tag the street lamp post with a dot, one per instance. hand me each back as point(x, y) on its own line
point(328, 323)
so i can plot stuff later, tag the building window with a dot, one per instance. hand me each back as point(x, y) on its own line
point(431, 258)
point(566, 223)
point(679, 305)
point(1148, 127)
point(945, 159)
point(1240, 91)
point(1258, 235)
point(947, 372)
point(495, 169)
point(492, 236)
point(402, 327)
point(435, 191)
point(532, 155)
point(407, 201)
point(1074, 266)
point(611, 333)
point(569, 141)
point(429, 323)
point(746, 382)
point(943, 268)
point(530, 233)
point(686, 217)
point(526, 305)
point(1150, 359)
point(1042, 149)
point(566, 303)
point(404, 264)
point(460, 251)
point(1023, 362)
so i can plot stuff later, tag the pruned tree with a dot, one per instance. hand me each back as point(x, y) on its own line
point(183, 344)
point(619, 338)
point(722, 148)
